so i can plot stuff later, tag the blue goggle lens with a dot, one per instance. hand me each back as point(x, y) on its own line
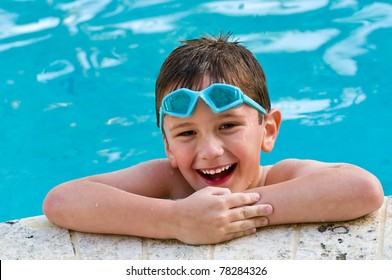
point(177, 103)
point(222, 97)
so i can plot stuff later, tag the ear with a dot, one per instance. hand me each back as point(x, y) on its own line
point(169, 154)
point(271, 124)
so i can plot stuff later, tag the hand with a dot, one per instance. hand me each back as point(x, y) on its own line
point(214, 215)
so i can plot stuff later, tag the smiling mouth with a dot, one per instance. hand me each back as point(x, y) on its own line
point(218, 175)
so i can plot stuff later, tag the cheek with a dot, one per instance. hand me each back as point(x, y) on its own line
point(249, 143)
point(180, 155)
point(249, 151)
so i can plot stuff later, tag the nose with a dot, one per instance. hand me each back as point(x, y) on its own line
point(210, 147)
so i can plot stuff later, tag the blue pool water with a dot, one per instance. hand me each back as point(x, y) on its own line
point(77, 83)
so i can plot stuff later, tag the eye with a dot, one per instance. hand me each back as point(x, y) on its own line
point(186, 133)
point(228, 126)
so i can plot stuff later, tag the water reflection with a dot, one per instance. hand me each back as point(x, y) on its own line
point(263, 7)
point(57, 105)
point(81, 11)
point(123, 121)
point(149, 25)
point(56, 69)
point(22, 43)
point(114, 154)
point(148, 3)
point(324, 111)
point(288, 41)
point(9, 29)
point(97, 60)
point(341, 55)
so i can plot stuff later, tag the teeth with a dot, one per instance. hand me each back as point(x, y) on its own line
point(215, 171)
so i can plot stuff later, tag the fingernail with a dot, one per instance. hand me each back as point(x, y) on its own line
point(268, 210)
point(264, 222)
point(256, 197)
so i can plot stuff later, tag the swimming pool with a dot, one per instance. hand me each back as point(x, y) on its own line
point(77, 83)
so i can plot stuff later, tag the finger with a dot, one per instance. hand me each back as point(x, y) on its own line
point(235, 235)
point(240, 199)
point(246, 212)
point(248, 224)
point(217, 190)
point(246, 227)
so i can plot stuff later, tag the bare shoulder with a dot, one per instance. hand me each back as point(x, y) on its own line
point(289, 169)
point(343, 178)
point(155, 178)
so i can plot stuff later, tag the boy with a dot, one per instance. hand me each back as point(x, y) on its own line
point(213, 108)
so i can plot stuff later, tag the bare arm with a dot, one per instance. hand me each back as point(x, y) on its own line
point(89, 206)
point(310, 191)
point(132, 202)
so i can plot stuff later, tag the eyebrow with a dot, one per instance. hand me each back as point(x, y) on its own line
point(180, 125)
point(230, 115)
point(222, 115)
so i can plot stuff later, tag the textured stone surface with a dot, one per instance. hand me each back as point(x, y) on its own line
point(34, 238)
point(174, 250)
point(387, 244)
point(106, 247)
point(274, 243)
point(340, 241)
point(367, 238)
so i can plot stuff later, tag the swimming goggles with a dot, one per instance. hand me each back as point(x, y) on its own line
point(219, 97)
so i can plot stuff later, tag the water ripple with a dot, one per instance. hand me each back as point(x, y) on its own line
point(9, 28)
point(81, 11)
point(56, 69)
point(22, 43)
point(288, 41)
point(341, 55)
point(148, 25)
point(319, 111)
point(148, 3)
point(262, 8)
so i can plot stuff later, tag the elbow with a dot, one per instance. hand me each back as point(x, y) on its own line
point(369, 190)
point(52, 205)
point(55, 206)
point(375, 193)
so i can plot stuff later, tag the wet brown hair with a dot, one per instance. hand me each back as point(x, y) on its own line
point(216, 58)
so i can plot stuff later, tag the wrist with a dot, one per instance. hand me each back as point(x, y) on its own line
point(175, 221)
point(160, 222)
point(167, 222)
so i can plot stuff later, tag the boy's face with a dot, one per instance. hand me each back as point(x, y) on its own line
point(217, 149)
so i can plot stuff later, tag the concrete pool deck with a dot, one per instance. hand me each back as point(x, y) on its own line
point(366, 238)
